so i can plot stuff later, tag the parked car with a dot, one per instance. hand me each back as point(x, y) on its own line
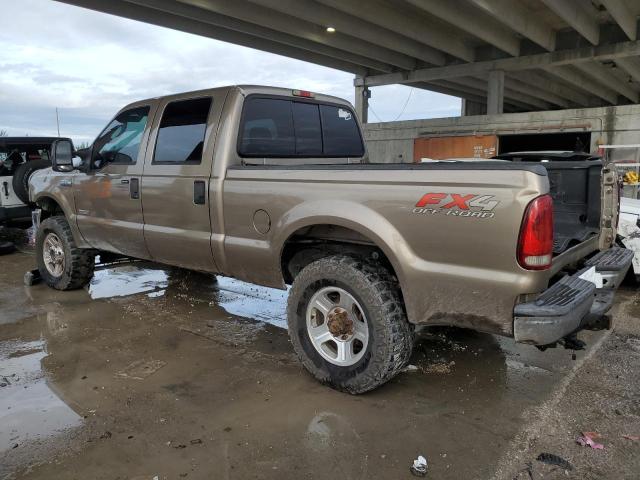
point(273, 186)
point(19, 158)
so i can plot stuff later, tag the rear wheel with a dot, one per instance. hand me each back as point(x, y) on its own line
point(61, 263)
point(347, 323)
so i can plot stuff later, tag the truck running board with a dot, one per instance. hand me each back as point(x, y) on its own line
point(611, 260)
point(561, 299)
point(612, 265)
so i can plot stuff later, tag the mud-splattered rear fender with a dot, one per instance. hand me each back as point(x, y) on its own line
point(354, 216)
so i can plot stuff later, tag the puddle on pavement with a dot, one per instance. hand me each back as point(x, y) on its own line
point(237, 298)
point(126, 280)
point(466, 385)
point(29, 408)
point(436, 352)
point(264, 304)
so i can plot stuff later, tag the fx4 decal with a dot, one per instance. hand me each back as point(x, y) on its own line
point(457, 205)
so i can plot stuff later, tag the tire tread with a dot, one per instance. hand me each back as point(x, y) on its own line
point(398, 331)
point(81, 260)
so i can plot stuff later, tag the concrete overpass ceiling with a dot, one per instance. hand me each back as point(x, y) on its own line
point(554, 53)
point(631, 66)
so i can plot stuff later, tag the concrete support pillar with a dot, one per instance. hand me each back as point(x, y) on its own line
point(469, 108)
point(362, 103)
point(495, 92)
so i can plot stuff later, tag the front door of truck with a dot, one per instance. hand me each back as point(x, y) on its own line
point(175, 183)
point(108, 196)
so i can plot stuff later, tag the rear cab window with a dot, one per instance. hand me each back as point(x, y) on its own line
point(276, 127)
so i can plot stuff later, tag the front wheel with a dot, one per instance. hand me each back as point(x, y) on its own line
point(61, 263)
point(347, 323)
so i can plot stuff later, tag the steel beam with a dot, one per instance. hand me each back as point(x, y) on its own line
point(575, 77)
point(631, 65)
point(623, 16)
point(517, 17)
point(606, 77)
point(579, 15)
point(163, 19)
point(388, 16)
point(541, 60)
point(322, 15)
point(473, 21)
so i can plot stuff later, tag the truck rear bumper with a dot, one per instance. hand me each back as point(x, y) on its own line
point(563, 308)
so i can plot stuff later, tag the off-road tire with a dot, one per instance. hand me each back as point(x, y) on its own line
point(20, 181)
point(79, 262)
point(378, 293)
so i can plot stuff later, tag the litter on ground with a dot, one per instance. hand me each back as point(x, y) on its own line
point(587, 440)
point(419, 467)
point(551, 459)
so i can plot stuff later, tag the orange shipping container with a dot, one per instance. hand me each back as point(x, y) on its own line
point(469, 146)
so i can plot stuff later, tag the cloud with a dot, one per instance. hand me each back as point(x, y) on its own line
point(89, 65)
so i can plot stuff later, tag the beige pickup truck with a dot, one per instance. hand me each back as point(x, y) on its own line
point(273, 186)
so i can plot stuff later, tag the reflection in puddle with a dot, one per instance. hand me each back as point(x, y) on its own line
point(262, 304)
point(246, 300)
point(438, 351)
point(126, 280)
point(29, 409)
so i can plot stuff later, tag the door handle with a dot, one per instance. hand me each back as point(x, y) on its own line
point(5, 186)
point(199, 192)
point(125, 181)
point(134, 188)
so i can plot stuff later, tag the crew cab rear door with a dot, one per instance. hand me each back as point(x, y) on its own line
point(175, 182)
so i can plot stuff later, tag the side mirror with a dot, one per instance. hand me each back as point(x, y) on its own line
point(62, 155)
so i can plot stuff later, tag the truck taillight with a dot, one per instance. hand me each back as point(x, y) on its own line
point(535, 243)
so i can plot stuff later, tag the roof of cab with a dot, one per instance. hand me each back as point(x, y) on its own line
point(254, 89)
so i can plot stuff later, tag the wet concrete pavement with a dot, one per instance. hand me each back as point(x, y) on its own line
point(161, 372)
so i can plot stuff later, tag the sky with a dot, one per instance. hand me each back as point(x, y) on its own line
point(89, 65)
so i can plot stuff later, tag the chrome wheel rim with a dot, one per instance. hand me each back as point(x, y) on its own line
point(53, 255)
point(337, 326)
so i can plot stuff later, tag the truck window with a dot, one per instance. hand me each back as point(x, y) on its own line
point(340, 133)
point(181, 133)
point(306, 121)
point(119, 142)
point(276, 127)
point(267, 130)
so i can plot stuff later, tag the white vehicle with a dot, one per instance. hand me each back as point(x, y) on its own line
point(19, 158)
point(629, 229)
